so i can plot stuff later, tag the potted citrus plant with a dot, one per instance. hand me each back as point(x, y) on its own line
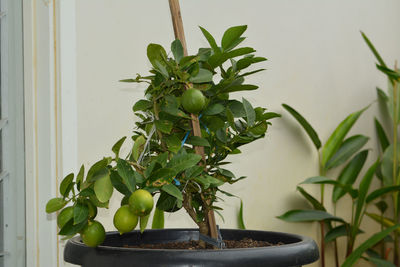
point(188, 125)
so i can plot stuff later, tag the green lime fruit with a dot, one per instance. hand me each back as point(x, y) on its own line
point(193, 101)
point(141, 202)
point(124, 220)
point(93, 234)
point(64, 216)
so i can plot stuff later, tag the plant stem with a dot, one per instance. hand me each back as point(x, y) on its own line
point(395, 178)
point(322, 172)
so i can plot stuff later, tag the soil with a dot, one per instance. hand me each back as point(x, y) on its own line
point(244, 243)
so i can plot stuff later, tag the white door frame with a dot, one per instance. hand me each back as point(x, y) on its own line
point(50, 119)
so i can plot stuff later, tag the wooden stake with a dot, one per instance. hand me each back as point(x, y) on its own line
point(180, 34)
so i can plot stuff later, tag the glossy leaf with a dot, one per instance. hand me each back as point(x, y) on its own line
point(81, 213)
point(381, 192)
point(172, 190)
point(250, 114)
point(231, 35)
point(177, 49)
point(143, 222)
point(103, 189)
point(349, 174)
point(158, 219)
point(182, 162)
point(382, 137)
point(197, 141)
point(240, 217)
point(142, 104)
point(373, 49)
point(308, 216)
point(127, 174)
point(314, 202)
point(210, 40)
point(214, 109)
point(363, 191)
point(240, 87)
point(65, 186)
point(164, 126)
point(116, 148)
point(306, 126)
point(118, 184)
point(138, 147)
point(55, 204)
point(97, 170)
point(359, 251)
point(387, 165)
point(156, 53)
point(218, 59)
point(350, 146)
point(70, 229)
point(203, 76)
point(336, 138)
point(79, 177)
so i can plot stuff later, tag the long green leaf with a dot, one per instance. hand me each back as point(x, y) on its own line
point(103, 189)
point(172, 190)
point(308, 216)
point(349, 174)
point(336, 138)
point(382, 220)
point(210, 40)
point(158, 219)
point(181, 162)
point(381, 191)
point(55, 204)
point(250, 113)
point(382, 137)
point(363, 191)
point(350, 146)
point(127, 174)
point(387, 165)
point(65, 186)
point(357, 253)
point(314, 202)
point(177, 50)
point(380, 262)
point(240, 217)
point(81, 213)
point(373, 49)
point(306, 126)
point(231, 36)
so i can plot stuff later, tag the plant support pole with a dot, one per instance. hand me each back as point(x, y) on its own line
point(180, 34)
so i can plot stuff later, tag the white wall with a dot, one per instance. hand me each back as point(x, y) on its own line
point(318, 63)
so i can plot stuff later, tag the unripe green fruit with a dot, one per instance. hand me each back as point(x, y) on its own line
point(141, 202)
point(93, 234)
point(193, 101)
point(124, 220)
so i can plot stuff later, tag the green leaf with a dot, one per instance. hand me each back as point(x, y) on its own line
point(382, 220)
point(336, 138)
point(174, 111)
point(374, 51)
point(161, 177)
point(387, 165)
point(336, 232)
point(240, 217)
point(203, 76)
point(306, 126)
point(177, 50)
point(357, 253)
point(81, 213)
point(138, 147)
point(71, 229)
point(118, 184)
point(363, 191)
point(213, 109)
point(347, 149)
point(250, 113)
point(247, 61)
point(325, 180)
point(181, 162)
point(168, 203)
point(103, 188)
point(210, 40)
point(383, 140)
point(143, 223)
point(158, 219)
point(194, 171)
point(55, 204)
point(65, 187)
point(116, 148)
point(231, 36)
point(173, 143)
point(79, 177)
point(142, 105)
point(97, 170)
point(380, 262)
point(173, 191)
point(349, 174)
point(164, 126)
point(392, 74)
point(240, 87)
point(218, 59)
point(308, 216)
point(127, 174)
point(197, 141)
point(314, 202)
point(156, 53)
point(381, 191)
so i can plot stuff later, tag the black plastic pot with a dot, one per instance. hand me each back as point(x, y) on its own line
point(296, 251)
